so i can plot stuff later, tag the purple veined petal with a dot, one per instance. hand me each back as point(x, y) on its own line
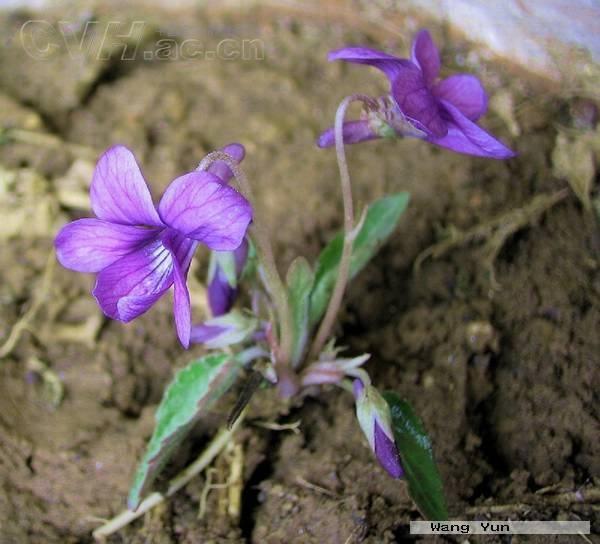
point(200, 207)
point(466, 137)
point(426, 56)
point(417, 103)
point(220, 169)
point(391, 66)
point(465, 92)
point(130, 286)
point(181, 304)
point(201, 334)
point(119, 192)
point(89, 245)
point(182, 247)
point(387, 453)
point(354, 132)
point(220, 294)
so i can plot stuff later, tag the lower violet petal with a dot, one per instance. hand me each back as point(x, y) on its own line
point(464, 136)
point(181, 304)
point(130, 286)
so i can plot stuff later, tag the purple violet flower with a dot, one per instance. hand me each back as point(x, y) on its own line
point(443, 112)
point(374, 417)
point(225, 267)
point(138, 249)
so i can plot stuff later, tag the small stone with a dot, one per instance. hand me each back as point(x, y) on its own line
point(482, 337)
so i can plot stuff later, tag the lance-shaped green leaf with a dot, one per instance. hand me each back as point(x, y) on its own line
point(192, 392)
point(413, 443)
point(380, 221)
point(299, 280)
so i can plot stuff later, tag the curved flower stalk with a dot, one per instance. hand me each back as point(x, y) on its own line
point(442, 112)
point(139, 250)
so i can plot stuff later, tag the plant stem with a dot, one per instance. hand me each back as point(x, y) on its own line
point(265, 252)
point(181, 480)
point(335, 301)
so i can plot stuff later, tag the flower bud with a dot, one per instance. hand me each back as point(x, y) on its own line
point(223, 272)
point(374, 417)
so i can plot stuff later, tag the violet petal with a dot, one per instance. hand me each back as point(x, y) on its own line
point(201, 334)
point(89, 245)
point(417, 103)
point(199, 206)
point(388, 64)
point(464, 136)
point(387, 453)
point(220, 294)
point(181, 304)
point(465, 92)
point(426, 56)
point(220, 168)
point(130, 286)
point(119, 193)
point(353, 132)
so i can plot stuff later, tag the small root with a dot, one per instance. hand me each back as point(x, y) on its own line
point(493, 233)
point(230, 498)
point(317, 488)
point(39, 297)
point(273, 426)
point(236, 482)
point(53, 390)
point(208, 487)
point(590, 496)
point(220, 441)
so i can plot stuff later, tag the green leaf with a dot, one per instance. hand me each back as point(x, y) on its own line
point(413, 443)
point(380, 221)
point(299, 280)
point(194, 390)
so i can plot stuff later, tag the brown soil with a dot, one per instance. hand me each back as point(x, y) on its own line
point(505, 379)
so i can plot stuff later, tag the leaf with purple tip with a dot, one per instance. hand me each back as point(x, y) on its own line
point(416, 454)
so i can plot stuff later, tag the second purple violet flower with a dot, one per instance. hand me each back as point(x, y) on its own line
point(442, 112)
